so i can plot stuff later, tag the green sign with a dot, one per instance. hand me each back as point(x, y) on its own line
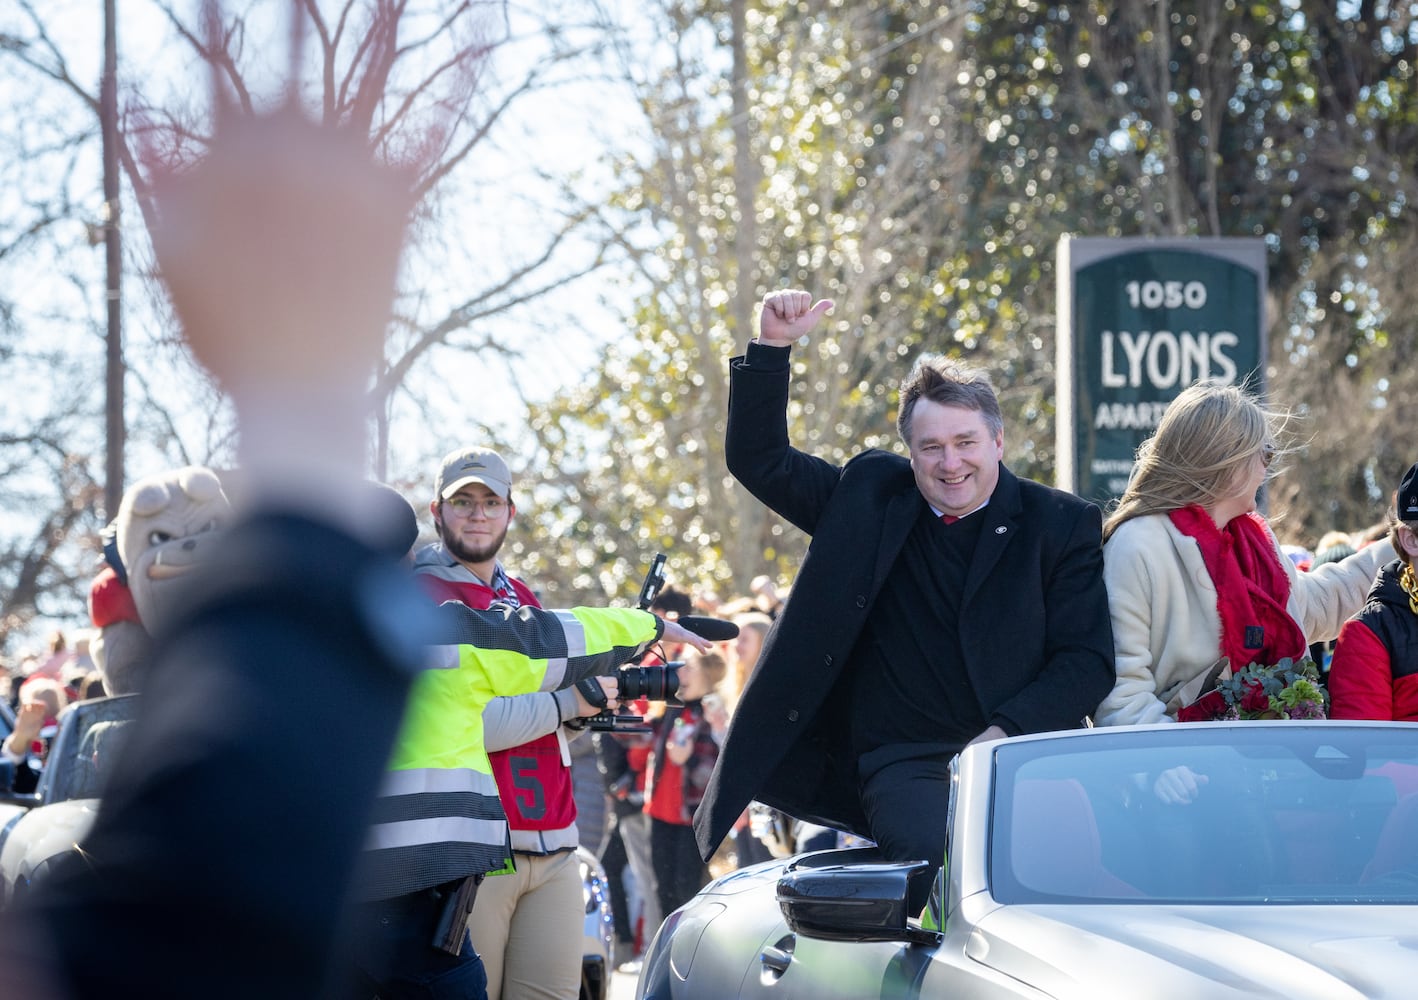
point(1139, 321)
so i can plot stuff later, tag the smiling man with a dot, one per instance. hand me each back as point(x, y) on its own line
point(472, 509)
point(943, 601)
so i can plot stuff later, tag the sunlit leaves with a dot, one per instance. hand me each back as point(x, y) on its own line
point(919, 161)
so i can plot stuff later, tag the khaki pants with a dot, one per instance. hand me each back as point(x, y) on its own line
point(527, 927)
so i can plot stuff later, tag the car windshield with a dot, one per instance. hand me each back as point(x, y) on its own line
point(1284, 812)
point(83, 755)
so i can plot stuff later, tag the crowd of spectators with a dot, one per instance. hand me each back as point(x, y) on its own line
point(68, 665)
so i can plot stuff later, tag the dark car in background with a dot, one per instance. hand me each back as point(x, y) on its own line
point(42, 829)
point(1292, 873)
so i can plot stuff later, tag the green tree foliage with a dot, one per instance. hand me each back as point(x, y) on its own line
point(915, 160)
point(840, 107)
point(1281, 121)
point(918, 162)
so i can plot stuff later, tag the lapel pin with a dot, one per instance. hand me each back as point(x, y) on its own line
point(1001, 530)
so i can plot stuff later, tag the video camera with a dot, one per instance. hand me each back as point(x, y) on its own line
point(653, 683)
point(658, 682)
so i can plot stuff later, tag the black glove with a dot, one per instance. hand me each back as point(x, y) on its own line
point(592, 691)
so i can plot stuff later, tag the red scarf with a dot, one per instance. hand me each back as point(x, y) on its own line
point(1252, 589)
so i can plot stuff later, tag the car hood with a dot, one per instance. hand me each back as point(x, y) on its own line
point(1183, 952)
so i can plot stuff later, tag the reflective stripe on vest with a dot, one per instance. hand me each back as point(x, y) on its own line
point(432, 825)
point(421, 781)
point(423, 794)
point(439, 830)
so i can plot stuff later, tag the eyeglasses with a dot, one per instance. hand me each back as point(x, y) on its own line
point(1267, 454)
point(464, 507)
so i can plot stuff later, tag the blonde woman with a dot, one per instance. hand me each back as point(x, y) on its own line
point(1195, 574)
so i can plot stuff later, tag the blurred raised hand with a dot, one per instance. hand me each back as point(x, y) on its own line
point(280, 249)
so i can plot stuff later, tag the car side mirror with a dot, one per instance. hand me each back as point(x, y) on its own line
point(852, 902)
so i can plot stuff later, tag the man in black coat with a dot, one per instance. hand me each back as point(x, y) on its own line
point(942, 601)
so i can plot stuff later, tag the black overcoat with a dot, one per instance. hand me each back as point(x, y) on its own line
point(1035, 629)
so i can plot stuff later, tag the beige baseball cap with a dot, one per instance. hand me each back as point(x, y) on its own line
point(473, 465)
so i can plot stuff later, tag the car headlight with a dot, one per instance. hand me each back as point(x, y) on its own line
point(593, 888)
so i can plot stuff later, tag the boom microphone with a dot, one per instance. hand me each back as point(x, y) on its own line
point(713, 629)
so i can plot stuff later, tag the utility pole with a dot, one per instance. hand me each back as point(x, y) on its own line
point(115, 431)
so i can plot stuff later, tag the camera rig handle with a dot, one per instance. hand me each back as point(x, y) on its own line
point(592, 691)
point(605, 721)
point(654, 582)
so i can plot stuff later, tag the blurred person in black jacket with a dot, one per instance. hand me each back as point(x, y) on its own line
point(220, 862)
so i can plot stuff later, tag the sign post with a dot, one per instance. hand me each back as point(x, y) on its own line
point(1139, 321)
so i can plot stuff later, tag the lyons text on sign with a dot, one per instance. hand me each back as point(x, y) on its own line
point(1139, 321)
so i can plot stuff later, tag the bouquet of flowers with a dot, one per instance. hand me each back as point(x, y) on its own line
point(1289, 689)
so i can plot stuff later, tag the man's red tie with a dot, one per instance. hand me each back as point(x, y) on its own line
point(948, 518)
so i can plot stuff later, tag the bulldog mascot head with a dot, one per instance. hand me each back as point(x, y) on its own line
point(165, 525)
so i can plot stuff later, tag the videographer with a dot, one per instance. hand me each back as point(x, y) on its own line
point(439, 824)
point(526, 924)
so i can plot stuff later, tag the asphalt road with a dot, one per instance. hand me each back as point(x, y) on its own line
point(622, 986)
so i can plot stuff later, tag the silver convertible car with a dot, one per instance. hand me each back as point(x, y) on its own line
point(1286, 868)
